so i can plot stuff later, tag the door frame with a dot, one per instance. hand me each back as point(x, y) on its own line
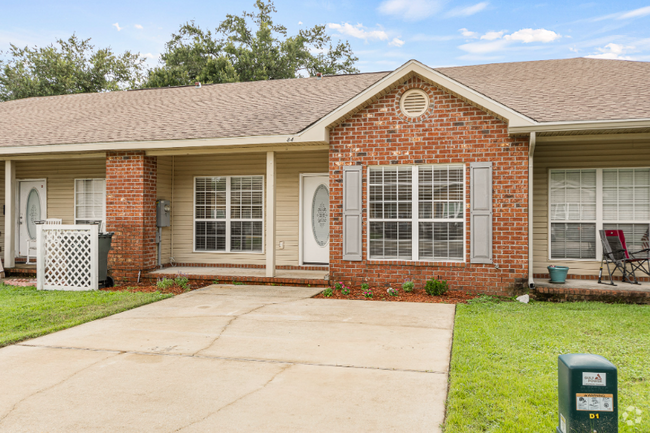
point(301, 209)
point(17, 212)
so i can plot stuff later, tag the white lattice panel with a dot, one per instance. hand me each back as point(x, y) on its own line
point(67, 257)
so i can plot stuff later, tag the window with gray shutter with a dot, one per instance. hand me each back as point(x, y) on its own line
point(481, 212)
point(352, 212)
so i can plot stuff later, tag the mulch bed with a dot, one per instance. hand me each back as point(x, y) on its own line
point(417, 295)
point(149, 287)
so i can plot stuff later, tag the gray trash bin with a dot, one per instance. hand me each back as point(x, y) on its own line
point(103, 247)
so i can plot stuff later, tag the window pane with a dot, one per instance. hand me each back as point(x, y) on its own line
point(573, 195)
point(441, 241)
point(390, 240)
point(210, 235)
point(390, 193)
point(90, 203)
point(210, 198)
point(573, 241)
point(246, 235)
point(626, 194)
point(440, 192)
point(246, 197)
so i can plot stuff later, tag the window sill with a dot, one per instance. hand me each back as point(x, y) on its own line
point(414, 263)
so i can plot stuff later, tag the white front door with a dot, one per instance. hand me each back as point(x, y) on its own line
point(32, 207)
point(315, 219)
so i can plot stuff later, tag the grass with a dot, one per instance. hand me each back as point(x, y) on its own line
point(504, 365)
point(27, 313)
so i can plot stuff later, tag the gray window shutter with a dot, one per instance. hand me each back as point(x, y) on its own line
point(352, 212)
point(481, 212)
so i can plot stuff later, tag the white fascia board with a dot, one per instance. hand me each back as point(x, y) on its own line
point(413, 66)
point(163, 144)
point(581, 126)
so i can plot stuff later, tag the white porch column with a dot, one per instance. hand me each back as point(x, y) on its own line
point(10, 228)
point(270, 214)
point(531, 231)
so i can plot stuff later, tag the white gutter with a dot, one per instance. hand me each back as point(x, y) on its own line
point(580, 126)
point(531, 152)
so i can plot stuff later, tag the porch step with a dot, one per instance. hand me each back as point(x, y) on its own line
point(21, 272)
point(244, 279)
point(586, 290)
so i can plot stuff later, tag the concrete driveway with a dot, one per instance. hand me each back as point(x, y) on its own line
point(236, 359)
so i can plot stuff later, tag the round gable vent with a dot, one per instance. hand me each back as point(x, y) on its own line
point(414, 103)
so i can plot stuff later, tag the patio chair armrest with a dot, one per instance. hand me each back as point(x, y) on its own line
point(633, 253)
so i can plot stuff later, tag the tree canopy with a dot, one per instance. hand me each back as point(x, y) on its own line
point(72, 66)
point(237, 52)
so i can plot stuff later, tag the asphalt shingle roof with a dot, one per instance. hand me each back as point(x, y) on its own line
point(212, 111)
point(564, 90)
point(549, 90)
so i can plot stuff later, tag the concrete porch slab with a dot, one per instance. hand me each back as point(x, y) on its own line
point(242, 272)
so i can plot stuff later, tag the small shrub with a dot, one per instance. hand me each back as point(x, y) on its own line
point(365, 286)
point(338, 286)
point(367, 293)
point(408, 286)
point(345, 291)
point(181, 282)
point(165, 283)
point(327, 292)
point(436, 287)
point(392, 292)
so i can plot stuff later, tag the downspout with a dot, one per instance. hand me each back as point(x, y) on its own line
point(531, 152)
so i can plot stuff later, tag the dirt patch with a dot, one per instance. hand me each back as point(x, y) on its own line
point(417, 295)
point(149, 287)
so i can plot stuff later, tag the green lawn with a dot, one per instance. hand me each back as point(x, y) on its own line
point(504, 363)
point(26, 312)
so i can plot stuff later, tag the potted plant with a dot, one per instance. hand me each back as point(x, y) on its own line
point(558, 273)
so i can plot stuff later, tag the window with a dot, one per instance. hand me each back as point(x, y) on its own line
point(585, 201)
point(90, 201)
point(416, 213)
point(229, 214)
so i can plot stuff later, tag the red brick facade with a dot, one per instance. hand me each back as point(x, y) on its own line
point(451, 131)
point(131, 213)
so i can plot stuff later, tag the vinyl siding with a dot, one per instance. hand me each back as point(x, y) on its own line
point(60, 176)
point(288, 169)
point(603, 154)
point(164, 192)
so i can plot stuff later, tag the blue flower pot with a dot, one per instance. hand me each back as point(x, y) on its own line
point(558, 274)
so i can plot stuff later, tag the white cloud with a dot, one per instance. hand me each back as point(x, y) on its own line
point(299, 23)
point(613, 51)
point(149, 56)
point(359, 32)
point(117, 26)
point(467, 33)
point(468, 10)
point(490, 36)
point(636, 13)
point(396, 42)
point(497, 41)
point(533, 35)
point(411, 10)
point(138, 26)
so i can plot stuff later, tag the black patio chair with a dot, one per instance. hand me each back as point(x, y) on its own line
point(616, 256)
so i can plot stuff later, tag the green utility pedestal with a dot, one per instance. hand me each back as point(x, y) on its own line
point(587, 394)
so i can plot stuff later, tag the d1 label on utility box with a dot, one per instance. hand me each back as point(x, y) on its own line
point(587, 394)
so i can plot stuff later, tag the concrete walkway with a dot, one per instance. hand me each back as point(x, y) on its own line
point(236, 359)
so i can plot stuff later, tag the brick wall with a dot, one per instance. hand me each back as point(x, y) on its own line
point(452, 131)
point(131, 213)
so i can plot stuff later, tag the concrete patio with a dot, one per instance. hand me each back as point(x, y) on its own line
point(236, 358)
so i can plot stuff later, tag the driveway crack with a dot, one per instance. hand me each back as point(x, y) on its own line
point(268, 382)
point(15, 406)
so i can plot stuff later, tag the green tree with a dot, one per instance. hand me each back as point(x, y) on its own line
point(237, 52)
point(72, 66)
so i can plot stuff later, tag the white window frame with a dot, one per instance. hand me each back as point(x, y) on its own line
point(600, 222)
point(415, 211)
point(103, 225)
point(228, 219)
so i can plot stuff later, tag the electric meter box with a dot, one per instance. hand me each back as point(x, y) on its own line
point(587, 394)
point(163, 213)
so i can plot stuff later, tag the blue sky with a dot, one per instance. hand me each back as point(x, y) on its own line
point(383, 34)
